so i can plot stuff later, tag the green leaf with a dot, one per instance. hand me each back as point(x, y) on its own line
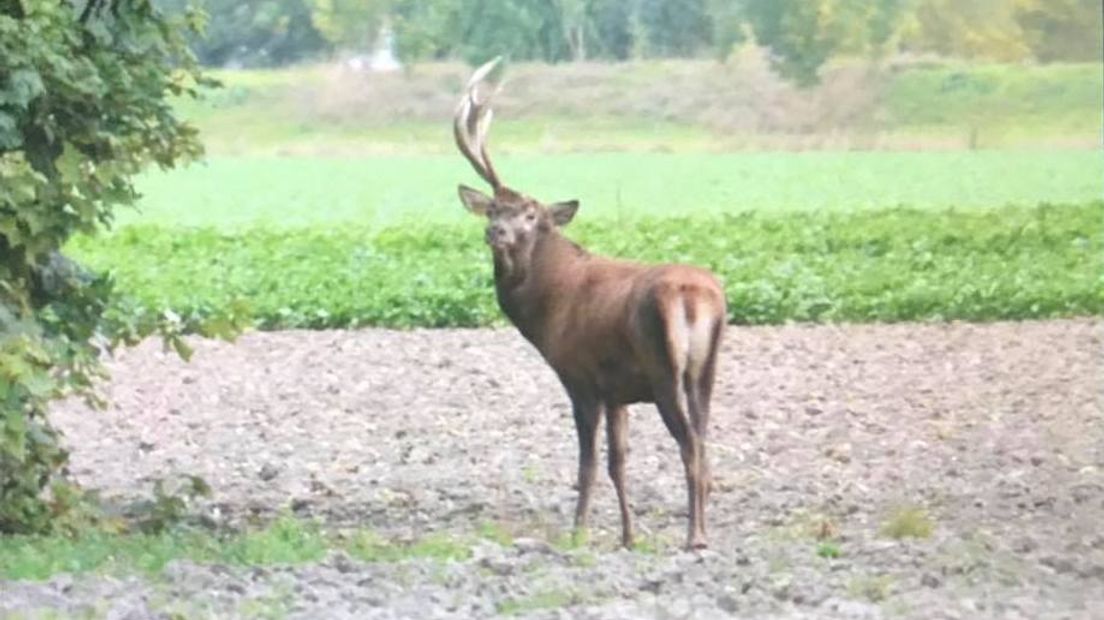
point(39, 385)
point(21, 87)
point(181, 347)
point(10, 138)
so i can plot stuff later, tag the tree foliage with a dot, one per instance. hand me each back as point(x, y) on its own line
point(350, 24)
point(970, 29)
point(84, 106)
point(801, 35)
point(260, 33)
point(1057, 30)
point(675, 27)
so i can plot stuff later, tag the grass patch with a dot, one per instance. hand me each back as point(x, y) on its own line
point(1005, 102)
point(872, 588)
point(547, 599)
point(38, 558)
point(368, 547)
point(496, 533)
point(572, 540)
point(233, 194)
point(273, 606)
point(285, 541)
point(884, 266)
point(652, 544)
point(908, 522)
point(829, 550)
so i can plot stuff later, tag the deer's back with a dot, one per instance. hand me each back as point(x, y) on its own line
point(607, 329)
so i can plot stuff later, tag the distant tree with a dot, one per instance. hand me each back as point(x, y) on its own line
point(475, 30)
point(350, 24)
point(576, 24)
point(519, 29)
point(264, 33)
point(675, 27)
point(610, 29)
point(551, 31)
point(728, 26)
point(1071, 30)
point(426, 29)
point(967, 29)
point(803, 34)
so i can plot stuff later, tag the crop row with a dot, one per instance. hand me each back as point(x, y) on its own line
point(889, 265)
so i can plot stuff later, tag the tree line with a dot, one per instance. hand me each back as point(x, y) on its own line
point(800, 34)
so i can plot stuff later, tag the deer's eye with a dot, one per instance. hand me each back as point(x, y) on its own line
point(531, 217)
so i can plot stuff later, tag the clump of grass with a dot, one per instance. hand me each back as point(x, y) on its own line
point(496, 533)
point(530, 474)
point(370, 547)
point(584, 558)
point(829, 550)
point(547, 599)
point(573, 540)
point(271, 606)
point(35, 558)
point(285, 541)
point(872, 588)
point(908, 522)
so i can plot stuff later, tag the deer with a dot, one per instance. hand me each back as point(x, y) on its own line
point(615, 332)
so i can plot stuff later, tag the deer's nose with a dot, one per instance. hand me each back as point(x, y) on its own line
point(495, 232)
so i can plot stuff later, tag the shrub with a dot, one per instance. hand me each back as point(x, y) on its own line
point(83, 108)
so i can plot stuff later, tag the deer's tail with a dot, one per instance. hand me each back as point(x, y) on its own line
point(695, 322)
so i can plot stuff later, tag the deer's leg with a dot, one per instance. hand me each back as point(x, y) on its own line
point(617, 418)
point(669, 401)
point(587, 413)
point(698, 405)
point(699, 393)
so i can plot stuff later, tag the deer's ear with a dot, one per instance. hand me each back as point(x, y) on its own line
point(475, 201)
point(562, 212)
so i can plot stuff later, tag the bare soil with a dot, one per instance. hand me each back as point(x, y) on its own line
point(820, 436)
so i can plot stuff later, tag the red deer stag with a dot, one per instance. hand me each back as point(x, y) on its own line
point(615, 332)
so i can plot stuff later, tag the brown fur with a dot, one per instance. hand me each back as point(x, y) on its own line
point(615, 332)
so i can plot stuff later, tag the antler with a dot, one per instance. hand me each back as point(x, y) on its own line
point(471, 123)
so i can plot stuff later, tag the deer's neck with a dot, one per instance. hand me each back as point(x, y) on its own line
point(529, 288)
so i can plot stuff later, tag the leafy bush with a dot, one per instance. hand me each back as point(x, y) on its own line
point(892, 265)
point(84, 106)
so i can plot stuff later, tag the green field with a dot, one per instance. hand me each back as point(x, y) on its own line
point(331, 202)
point(886, 265)
point(374, 191)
